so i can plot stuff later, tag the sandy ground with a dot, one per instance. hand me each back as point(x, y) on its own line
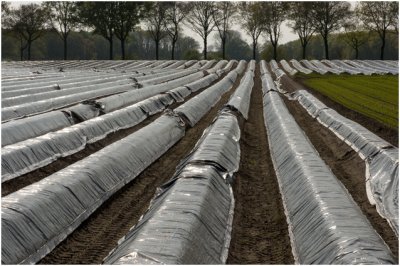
point(260, 232)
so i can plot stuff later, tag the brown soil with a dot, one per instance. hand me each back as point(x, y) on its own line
point(389, 134)
point(260, 232)
point(347, 166)
point(15, 184)
point(91, 242)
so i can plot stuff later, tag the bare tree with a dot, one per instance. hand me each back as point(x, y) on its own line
point(301, 22)
point(201, 20)
point(28, 22)
point(176, 13)
point(5, 10)
point(275, 13)
point(127, 16)
point(223, 17)
point(329, 17)
point(64, 18)
point(155, 22)
point(9, 28)
point(395, 15)
point(101, 17)
point(379, 17)
point(354, 35)
point(253, 21)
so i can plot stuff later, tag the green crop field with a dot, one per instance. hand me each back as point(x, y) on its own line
point(374, 96)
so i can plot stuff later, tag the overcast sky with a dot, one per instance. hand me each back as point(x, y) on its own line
point(286, 34)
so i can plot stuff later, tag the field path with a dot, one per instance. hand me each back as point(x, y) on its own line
point(260, 233)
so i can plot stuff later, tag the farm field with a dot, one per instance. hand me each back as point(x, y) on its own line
point(199, 162)
point(374, 96)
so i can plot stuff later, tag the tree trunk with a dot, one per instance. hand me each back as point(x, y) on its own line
point(356, 53)
point(205, 48)
point(326, 47)
point(275, 52)
point(65, 47)
point(223, 48)
point(254, 49)
point(22, 53)
point(29, 49)
point(157, 44)
point(173, 50)
point(383, 44)
point(304, 50)
point(123, 48)
point(111, 48)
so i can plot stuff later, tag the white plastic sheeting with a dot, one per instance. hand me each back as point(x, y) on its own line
point(218, 66)
point(37, 152)
point(381, 157)
point(19, 130)
point(59, 86)
point(314, 68)
point(267, 83)
point(342, 68)
point(240, 99)
point(61, 92)
point(163, 77)
point(114, 102)
point(227, 68)
point(263, 68)
point(320, 65)
point(202, 83)
point(26, 109)
point(38, 217)
point(350, 68)
point(187, 64)
point(377, 66)
point(325, 224)
point(190, 219)
point(194, 109)
point(365, 68)
point(33, 126)
point(381, 64)
point(59, 80)
point(296, 64)
point(240, 67)
point(208, 64)
point(288, 68)
point(40, 124)
point(275, 68)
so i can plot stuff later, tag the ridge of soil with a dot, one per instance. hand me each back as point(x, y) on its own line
point(92, 241)
point(389, 134)
point(260, 232)
point(347, 166)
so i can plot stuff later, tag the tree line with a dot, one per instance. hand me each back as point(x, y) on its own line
point(163, 21)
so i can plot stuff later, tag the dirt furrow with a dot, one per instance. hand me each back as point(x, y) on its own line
point(347, 166)
point(260, 232)
point(94, 239)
